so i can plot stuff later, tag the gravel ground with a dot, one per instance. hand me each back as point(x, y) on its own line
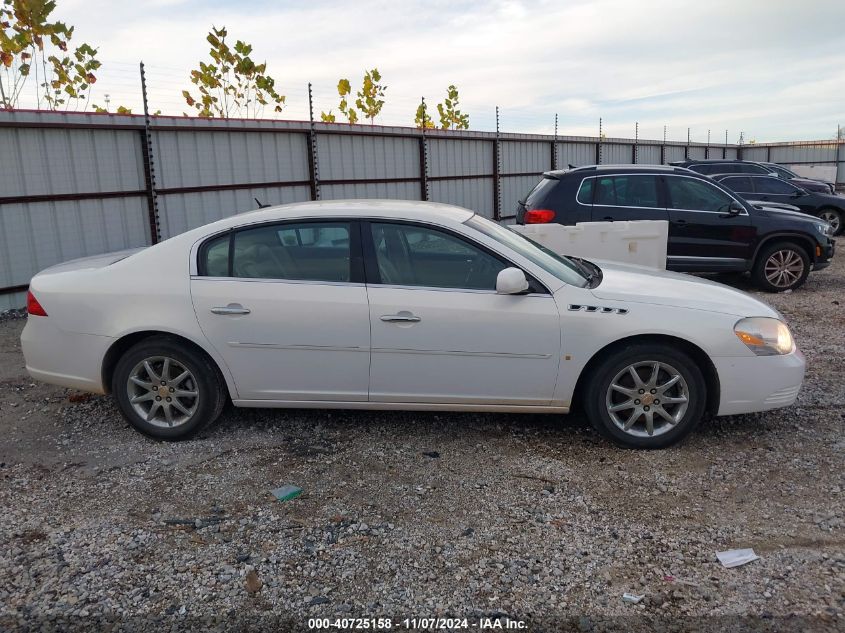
point(532, 518)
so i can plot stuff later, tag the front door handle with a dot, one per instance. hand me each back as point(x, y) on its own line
point(402, 317)
point(232, 308)
point(681, 222)
point(608, 218)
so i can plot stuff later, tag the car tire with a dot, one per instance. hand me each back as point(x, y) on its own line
point(613, 401)
point(168, 390)
point(834, 218)
point(781, 266)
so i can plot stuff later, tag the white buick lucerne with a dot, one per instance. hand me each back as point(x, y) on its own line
point(401, 305)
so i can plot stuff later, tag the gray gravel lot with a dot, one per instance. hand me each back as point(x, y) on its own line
point(530, 516)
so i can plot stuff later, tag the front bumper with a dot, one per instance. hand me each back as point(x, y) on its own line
point(759, 383)
point(823, 258)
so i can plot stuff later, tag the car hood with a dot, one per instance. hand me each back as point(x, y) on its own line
point(635, 284)
point(777, 206)
point(775, 212)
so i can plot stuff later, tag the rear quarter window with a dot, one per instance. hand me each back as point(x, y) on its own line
point(585, 191)
point(541, 190)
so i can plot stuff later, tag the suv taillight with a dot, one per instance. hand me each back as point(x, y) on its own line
point(539, 216)
point(32, 306)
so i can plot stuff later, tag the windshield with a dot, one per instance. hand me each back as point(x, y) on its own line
point(561, 267)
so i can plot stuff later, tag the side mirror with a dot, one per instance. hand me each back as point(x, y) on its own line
point(798, 193)
point(735, 208)
point(511, 281)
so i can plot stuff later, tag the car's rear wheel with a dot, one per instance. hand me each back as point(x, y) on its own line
point(834, 218)
point(646, 396)
point(781, 266)
point(167, 390)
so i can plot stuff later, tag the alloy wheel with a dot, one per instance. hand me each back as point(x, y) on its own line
point(783, 268)
point(647, 398)
point(832, 218)
point(163, 391)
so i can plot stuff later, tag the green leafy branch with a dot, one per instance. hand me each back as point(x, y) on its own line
point(232, 83)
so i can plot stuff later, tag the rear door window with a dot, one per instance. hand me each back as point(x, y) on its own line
point(774, 186)
point(312, 251)
point(627, 191)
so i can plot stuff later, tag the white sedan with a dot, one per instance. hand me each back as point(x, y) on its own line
point(401, 305)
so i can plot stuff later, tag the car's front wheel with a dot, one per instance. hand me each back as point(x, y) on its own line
point(834, 218)
point(646, 396)
point(781, 266)
point(166, 389)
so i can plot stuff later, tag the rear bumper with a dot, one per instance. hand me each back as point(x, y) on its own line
point(68, 359)
point(759, 383)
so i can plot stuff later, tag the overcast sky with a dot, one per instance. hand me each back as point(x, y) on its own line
point(773, 69)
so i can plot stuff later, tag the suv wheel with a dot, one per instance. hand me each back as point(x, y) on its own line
point(646, 396)
point(781, 266)
point(834, 218)
point(167, 390)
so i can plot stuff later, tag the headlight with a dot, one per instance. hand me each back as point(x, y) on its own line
point(824, 228)
point(765, 336)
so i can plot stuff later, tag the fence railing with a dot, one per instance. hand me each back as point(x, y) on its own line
point(73, 185)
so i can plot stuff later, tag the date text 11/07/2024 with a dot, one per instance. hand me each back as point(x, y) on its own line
point(426, 624)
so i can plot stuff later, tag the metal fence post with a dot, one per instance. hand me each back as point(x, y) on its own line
point(707, 147)
point(663, 148)
point(686, 149)
point(554, 146)
point(497, 185)
point(635, 148)
point(313, 165)
point(424, 195)
point(739, 148)
point(598, 146)
point(725, 148)
point(149, 166)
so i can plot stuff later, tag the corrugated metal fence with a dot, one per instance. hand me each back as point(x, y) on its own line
point(73, 185)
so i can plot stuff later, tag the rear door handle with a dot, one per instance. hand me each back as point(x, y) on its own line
point(402, 317)
point(609, 218)
point(232, 308)
point(679, 222)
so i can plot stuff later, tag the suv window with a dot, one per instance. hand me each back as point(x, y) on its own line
point(310, 251)
point(740, 184)
point(585, 191)
point(747, 168)
point(782, 172)
point(627, 191)
point(708, 169)
point(540, 191)
point(695, 195)
point(769, 184)
point(410, 255)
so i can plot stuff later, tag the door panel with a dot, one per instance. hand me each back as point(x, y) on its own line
point(286, 308)
point(467, 346)
point(441, 333)
point(300, 341)
point(702, 235)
